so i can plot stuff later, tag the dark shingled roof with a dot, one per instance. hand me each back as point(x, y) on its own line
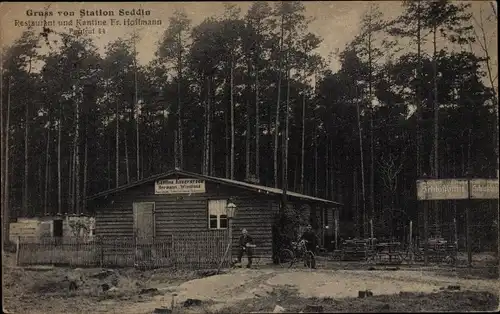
point(235, 183)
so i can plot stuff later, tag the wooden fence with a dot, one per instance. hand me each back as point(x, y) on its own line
point(194, 250)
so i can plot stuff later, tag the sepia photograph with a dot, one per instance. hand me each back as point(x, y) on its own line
point(249, 157)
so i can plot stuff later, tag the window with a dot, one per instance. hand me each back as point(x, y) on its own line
point(217, 214)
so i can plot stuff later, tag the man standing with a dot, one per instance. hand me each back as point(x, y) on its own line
point(311, 243)
point(246, 245)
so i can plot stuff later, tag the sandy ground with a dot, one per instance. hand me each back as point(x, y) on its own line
point(46, 290)
point(241, 284)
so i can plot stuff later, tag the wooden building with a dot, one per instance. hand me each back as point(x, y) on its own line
point(181, 202)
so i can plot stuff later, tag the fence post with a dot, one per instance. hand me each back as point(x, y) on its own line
point(336, 233)
point(17, 250)
point(77, 255)
point(371, 234)
point(411, 241)
point(230, 225)
point(101, 245)
point(426, 231)
point(136, 250)
point(455, 234)
point(173, 255)
point(468, 222)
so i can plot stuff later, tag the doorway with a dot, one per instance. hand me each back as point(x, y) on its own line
point(144, 226)
point(144, 230)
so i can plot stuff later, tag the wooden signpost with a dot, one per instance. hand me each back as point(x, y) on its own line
point(455, 189)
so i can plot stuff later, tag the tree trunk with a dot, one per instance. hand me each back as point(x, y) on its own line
point(117, 147)
point(71, 180)
point(361, 152)
point(270, 134)
point(315, 143)
point(2, 158)
point(436, 121)
point(208, 128)
point(327, 169)
point(332, 171)
point(212, 159)
point(127, 164)
point(138, 146)
point(303, 142)
point(356, 202)
point(59, 173)
point(203, 154)
point(436, 107)
point(210, 135)
point(39, 190)
point(287, 121)
point(180, 128)
point(85, 166)
point(26, 164)
point(417, 93)
point(209, 122)
point(142, 162)
point(136, 107)
point(277, 121)
point(109, 161)
point(372, 155)
point(294, 173)
point(47, 175)
point(469, 152)
point(151, 156)
point(205, 127)
point(77, 159)
point(247, 143)
point(227, 140)
point(257, 122)
point(248, 130)
point(176, 153)
point(75, 180)
point(6, 193)
point(232, 118)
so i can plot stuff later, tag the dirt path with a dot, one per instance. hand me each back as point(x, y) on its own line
point(46, 290)
point(340, 284)
point(224, 290)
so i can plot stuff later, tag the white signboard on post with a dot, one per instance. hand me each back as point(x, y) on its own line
point(179, 186)
point(442, 189)
point(484, 189)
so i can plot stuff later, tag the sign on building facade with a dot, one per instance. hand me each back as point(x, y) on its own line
point(179, 186)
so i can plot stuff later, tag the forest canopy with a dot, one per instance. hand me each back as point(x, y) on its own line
point(247, 96)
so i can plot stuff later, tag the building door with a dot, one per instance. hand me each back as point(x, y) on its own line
point(144, 224)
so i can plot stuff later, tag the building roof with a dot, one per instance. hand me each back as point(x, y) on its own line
point(235, 183)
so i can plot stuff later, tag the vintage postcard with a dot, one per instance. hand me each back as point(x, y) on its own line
point(236, 157)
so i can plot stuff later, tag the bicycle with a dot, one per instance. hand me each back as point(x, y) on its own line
point(298, 252)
